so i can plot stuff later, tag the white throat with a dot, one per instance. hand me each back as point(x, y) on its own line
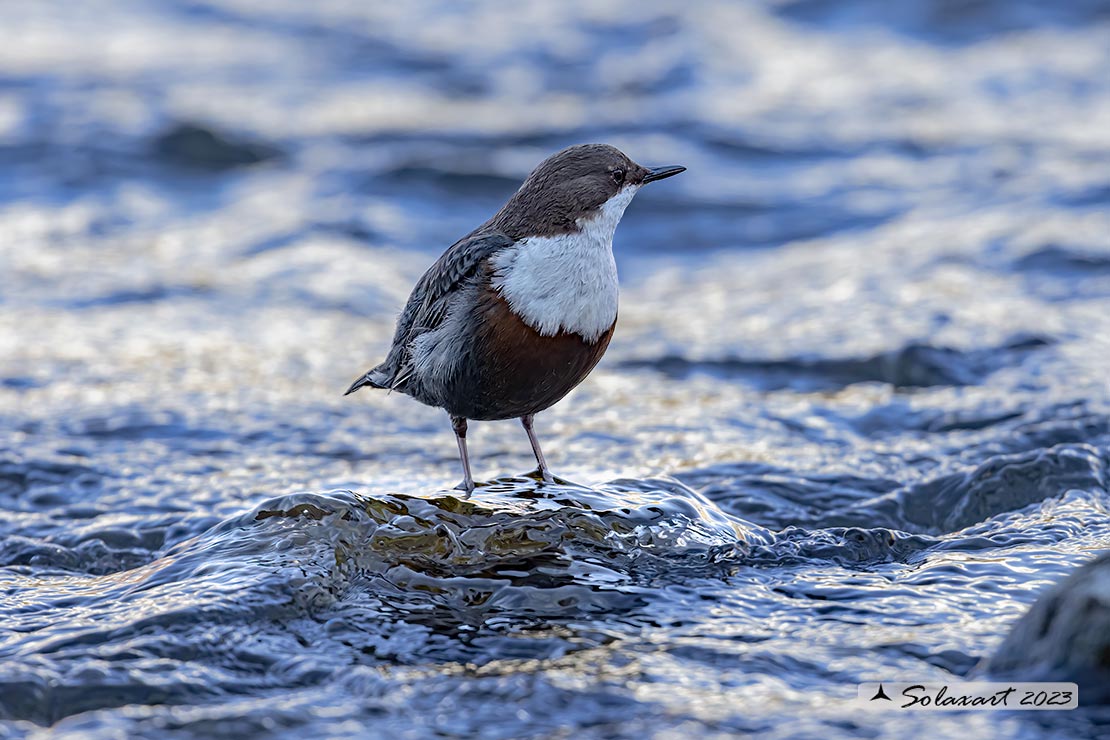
point(566, 282)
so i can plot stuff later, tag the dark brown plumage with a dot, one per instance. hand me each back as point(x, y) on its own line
point(527, 373)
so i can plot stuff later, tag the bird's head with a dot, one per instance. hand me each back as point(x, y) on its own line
point(579, 184)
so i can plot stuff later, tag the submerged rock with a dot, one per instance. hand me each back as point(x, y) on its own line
point(1001, 484)
point(1065, 636)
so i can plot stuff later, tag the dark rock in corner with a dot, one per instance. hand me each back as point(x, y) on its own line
point(199, 147)
point(1065, 636)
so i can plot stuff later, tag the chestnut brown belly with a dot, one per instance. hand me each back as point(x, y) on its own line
point(512, 371)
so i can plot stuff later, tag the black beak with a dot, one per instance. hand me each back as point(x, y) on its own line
point(658, 173)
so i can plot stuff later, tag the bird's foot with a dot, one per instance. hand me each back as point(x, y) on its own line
point(467, 486)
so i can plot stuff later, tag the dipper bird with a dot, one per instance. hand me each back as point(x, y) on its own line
point(516, 313)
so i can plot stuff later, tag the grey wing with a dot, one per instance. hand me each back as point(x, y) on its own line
point(427, 306)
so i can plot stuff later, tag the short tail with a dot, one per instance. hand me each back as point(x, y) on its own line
point(371, 379)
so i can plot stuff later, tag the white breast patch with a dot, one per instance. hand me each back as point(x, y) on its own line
point(566, 282)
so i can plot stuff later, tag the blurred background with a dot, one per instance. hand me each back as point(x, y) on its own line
point(257, 165)
point(886, 273)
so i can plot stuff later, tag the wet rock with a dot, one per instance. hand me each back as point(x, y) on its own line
point(1065, 636)
point(1005, 483)
point(199, 147)
point(1001, 484)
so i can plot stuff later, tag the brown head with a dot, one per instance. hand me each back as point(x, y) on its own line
point(570, 185)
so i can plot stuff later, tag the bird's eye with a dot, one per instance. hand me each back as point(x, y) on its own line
point(618, 176)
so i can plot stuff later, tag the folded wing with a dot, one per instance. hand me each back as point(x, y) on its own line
point(427, 305)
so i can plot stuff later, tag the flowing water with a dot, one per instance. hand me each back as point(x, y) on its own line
point(854, 420)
